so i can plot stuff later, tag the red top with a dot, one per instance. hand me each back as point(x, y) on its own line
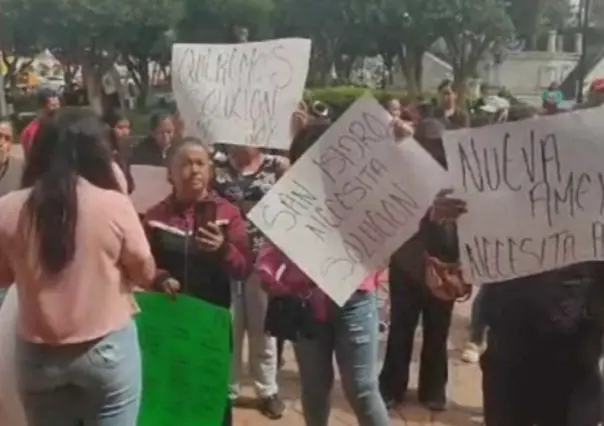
point(29, 133)
point(281, 277)
point(236, 258)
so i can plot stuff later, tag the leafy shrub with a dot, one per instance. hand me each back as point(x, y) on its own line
point(339, 98)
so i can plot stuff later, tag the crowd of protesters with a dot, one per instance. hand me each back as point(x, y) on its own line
point(75, 249)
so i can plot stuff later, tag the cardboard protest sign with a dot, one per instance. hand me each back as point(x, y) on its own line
point(150, 186)
point(186, 354)
point(240, 93)
point(351, 200)
point(535, 192)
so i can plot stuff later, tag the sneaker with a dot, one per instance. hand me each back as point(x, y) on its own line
point(471, 354)
point(390, 401)
point(272, 407)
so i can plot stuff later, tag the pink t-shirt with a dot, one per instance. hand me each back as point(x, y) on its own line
point(120, 177)
point(92, 296)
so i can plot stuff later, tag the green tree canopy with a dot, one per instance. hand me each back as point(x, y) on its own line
point(20, 36)
point(470, 29)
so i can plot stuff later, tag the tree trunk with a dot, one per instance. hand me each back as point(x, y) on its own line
point(340, 68)
point(12, 73)
point(92, 79)
point(460, 79)
point(69, 73)
point(117, 81)
point(535, 7)
point(3, 104)
point(408, 68)
point(418, 68)
point(314, 72)
point(323, 68)
point(387, 78)
point(344, 67)
point(13, 79)
point(143, 86)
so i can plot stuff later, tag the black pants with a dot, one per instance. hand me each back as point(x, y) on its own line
point(280, 346)
point(409, 299)
point(531, 382)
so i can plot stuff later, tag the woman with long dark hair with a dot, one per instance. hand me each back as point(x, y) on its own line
point(73, 244)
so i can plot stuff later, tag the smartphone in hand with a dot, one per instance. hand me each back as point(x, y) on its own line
point(205, 212)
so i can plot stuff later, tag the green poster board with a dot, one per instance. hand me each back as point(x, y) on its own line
point(185, 344)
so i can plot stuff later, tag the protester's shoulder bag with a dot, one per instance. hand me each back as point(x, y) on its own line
point(444, 275)
point(290, 318)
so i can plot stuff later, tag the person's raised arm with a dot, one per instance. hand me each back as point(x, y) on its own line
point(436, 224)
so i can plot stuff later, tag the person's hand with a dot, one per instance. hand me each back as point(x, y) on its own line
point(282, 166)
point(210, 238)
point(402, 129)
point(170, 286)
point(445, 208)
point(299, 120)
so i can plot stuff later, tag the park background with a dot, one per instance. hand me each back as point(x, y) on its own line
point(397, 48)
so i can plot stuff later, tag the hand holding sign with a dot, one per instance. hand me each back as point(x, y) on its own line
point(401, 129)
point(536, 190)
point(170, 286)
point(446, 208)
point(240, 93)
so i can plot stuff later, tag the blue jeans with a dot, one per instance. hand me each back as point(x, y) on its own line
point(352, 334)
point(478, 324)
point(89, 384)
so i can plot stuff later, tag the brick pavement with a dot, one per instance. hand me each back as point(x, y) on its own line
point(464, 392)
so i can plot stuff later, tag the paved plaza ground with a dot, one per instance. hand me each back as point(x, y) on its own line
point(464, 391)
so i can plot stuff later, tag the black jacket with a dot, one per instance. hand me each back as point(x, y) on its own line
point(546, 305)
point(147, 153)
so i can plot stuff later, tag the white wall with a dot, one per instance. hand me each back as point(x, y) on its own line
point(529, 73)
